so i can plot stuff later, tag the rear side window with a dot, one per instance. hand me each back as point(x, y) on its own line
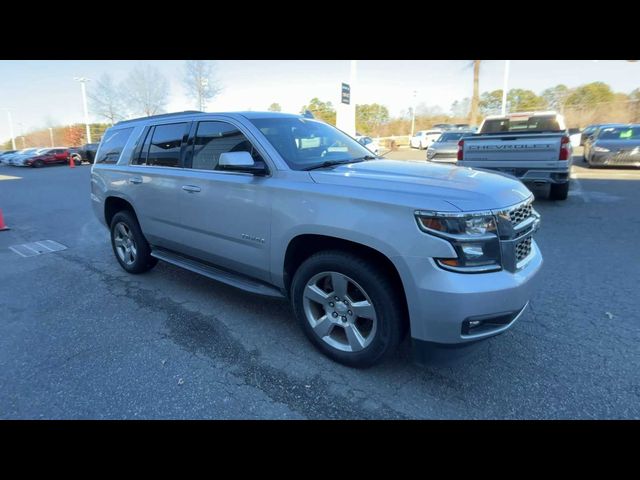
point(112, 145)
point(215, 138)
point(525, 124)
point(165, 144)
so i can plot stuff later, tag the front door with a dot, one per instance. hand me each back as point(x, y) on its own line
point(225, 216)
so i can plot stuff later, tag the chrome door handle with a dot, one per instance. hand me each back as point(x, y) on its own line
point(135, 180)
point(191, 188)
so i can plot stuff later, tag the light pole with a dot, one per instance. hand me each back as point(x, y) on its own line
point(51, 135)
point(22, 134)
point(504, 87)
point(83, 82)
point(413, 113)
point(13, 139)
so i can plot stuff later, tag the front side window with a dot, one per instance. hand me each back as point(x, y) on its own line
point(215, 138)
point(112, 145)
point(306, 143)
point(165, 144)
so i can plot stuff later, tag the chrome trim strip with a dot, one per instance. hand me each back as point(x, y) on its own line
point(478, 269)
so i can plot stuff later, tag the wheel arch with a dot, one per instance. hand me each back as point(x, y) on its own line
point(114, 204)
point(304, 245)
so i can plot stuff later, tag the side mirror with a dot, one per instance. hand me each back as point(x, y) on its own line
point(241, 162)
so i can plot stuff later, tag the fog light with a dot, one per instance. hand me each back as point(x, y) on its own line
point(474, 323)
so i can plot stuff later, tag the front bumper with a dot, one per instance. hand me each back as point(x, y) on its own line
point(613, 159)
point(444, 303)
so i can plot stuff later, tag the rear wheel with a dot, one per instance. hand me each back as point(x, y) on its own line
point(559, 191)
point(348, 308)
point(129, 245)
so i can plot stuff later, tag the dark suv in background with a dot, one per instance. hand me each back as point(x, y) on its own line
point(85, 153)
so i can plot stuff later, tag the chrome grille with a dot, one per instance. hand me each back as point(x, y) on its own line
point(523, 249)
point(521, 213)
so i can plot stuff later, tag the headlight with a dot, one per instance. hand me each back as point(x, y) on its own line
point(601, 149)
point(431, 153)
point(474, 237)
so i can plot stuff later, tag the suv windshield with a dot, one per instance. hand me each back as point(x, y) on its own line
point(305, 143)
point(535, 123)
point(620, 133)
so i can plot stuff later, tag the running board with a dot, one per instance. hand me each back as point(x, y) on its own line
point(233, 279)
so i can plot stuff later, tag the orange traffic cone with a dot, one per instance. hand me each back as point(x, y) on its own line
point(2, 225)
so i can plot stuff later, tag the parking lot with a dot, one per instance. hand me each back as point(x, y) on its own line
point(80, 338)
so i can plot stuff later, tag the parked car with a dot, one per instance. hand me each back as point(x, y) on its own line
point(287, 206)
point(588, 141)
point(5, 155)
point(48, 157)
point(17, 157)
point(589, 130)
point(445, 148)
point(532, 146)
point(615, 146)
point(424, 138)
point(85, 153)
point(21, 160)
point(370, 143)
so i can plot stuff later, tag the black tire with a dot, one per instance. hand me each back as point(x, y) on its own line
point(389, 308)
point(38, 164)
point(143, 259)
point(559, 191)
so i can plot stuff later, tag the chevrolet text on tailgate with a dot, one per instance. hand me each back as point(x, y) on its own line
point(366, 249)
point(535, 147)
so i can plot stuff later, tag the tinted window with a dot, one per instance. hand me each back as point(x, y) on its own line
point(112, 145)
point(215, 138)
point(164, 148)
point(451, 137)
point(530, 124)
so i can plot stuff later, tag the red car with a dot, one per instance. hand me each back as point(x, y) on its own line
point(51, 156)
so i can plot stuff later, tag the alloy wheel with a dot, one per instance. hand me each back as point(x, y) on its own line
point(339, 311)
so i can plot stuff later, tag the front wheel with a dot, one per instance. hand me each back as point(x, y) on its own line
point(349, 308)
point(559, 191)
point(129, 245)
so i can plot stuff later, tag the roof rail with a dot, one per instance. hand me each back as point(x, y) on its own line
point(162, 115)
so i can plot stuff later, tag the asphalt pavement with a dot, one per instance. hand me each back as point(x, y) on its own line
point(80, 338)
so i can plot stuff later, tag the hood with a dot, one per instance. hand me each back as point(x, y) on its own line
point(464, 188)
point(615, 145)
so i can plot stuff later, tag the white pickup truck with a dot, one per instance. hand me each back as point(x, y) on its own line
point(534, 147)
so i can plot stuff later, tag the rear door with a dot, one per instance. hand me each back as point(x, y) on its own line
point(155, 179)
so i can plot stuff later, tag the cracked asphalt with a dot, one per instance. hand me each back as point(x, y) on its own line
point(80, 338)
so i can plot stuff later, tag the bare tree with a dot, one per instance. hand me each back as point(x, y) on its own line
point(200, 82)
point(106, 99)
point(475, 99)
point(147, 90)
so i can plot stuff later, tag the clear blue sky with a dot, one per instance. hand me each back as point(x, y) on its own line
point(43, 92)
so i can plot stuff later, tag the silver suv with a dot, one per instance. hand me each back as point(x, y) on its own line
point(365, 248)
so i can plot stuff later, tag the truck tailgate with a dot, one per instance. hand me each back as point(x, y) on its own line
point(542, 148)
